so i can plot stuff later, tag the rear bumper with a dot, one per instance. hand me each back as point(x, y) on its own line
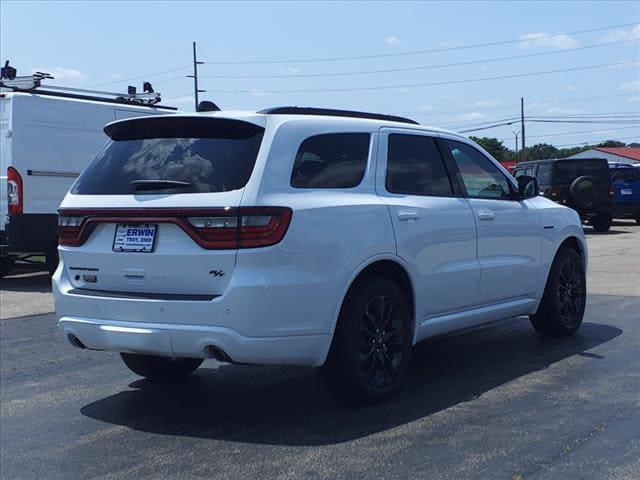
point(252, 322)
point(626, 209)
point(194, 341)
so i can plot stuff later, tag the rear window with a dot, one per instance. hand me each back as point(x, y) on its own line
point(566, 171)
point(626, 174)
point(173, 155)
point(334, 160)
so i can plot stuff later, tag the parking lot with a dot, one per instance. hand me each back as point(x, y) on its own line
point(493, 402)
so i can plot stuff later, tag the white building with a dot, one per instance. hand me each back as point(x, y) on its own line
point(612, 154)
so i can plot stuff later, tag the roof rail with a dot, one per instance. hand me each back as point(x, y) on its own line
point(330, 112)
point(33, 84)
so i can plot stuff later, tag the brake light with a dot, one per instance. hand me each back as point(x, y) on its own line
point(245, 227)
point(70, 230)
point(14, 191)
point(224, 228)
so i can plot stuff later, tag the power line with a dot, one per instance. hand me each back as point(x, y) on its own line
point(424, 67)
point(592, 116)
point(591, 144)
point(418, 52)
point(563, 134)
point(139, 77)
point(431, 84)
point(512, 106)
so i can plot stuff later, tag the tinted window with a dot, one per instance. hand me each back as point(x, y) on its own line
point(414, 166)
point(334, 160)
point(626, 174)
point(544, 174)
point(480, 176)
point(566, 171)
point(209, 156)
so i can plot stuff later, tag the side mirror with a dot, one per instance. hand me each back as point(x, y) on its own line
point(527, 187)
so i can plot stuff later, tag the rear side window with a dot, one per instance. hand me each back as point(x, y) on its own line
point(333, 160)
point(544, 174)
point(166, 155)
point(414, 166)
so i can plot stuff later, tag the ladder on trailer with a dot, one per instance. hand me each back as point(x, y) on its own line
point(33, 84)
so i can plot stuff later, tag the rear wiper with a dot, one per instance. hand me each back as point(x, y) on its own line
point(158, 184)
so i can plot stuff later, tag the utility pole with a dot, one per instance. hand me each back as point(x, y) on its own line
point(522, 127)
point(516, 135)
point(195, 77)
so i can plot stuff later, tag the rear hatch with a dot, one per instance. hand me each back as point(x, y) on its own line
point(566, 171)
point(626, 185)
point(157, 212)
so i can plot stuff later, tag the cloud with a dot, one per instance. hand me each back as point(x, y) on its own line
point(469, 116)
point(62, 73)
point(630, 85)
point(488, 103)
point(547, 40)
point(289, 71)
point(183, 100)
point(564, 111)
point(393, 40)
point(622, 35)
point(258, 93)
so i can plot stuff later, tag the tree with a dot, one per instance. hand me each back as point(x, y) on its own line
point(611, 143)
point(541, 151)
point(495, 147)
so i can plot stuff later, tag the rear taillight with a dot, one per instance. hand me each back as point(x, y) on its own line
point(70, 230)
point(611, 191)
point(244, 227)
point(14, 191)
point(223, 228)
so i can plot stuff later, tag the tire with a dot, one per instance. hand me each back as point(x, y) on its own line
point(6, 265)
point(562, 306)
point(583, 193)
point(51, 260)
point(602, 223)
point(160, 368)
point(366, 361)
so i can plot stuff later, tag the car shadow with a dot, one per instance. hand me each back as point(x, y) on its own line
point(37, 282)
point(289, 406)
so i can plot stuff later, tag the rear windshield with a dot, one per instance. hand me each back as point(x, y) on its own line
point(173, 155)
point(626, 174)
point(566, 171)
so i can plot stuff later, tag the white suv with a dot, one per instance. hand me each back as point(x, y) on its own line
point(300, 236)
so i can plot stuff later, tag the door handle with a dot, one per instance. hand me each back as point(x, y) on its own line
point(485, 215)
point(408, 215)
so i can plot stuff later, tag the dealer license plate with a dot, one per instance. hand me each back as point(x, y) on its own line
point(135, 237)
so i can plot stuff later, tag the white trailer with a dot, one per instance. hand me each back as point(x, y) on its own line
point(47, 137)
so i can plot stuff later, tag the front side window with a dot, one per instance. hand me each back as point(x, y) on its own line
point(481, 178)
point(333, 160)
point(414, 166)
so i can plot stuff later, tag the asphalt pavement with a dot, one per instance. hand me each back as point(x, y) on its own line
point(493, 402)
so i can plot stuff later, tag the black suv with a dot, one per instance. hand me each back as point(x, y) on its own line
point(583, 184)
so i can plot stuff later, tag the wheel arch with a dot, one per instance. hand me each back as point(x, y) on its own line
point(389, 266)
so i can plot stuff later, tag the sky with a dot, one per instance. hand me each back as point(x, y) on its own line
point(274, 46)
